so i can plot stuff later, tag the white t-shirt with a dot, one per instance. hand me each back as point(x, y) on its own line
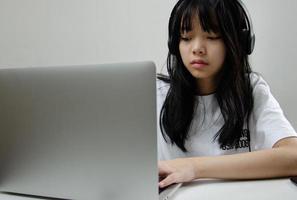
point(267, 124)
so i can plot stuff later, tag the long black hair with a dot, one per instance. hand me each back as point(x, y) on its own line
point(233, 92)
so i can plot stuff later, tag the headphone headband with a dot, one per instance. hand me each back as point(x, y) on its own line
point(249, 31)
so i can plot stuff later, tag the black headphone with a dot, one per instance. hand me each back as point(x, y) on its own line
point(247, 31)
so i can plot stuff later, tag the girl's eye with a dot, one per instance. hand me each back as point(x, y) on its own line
point(185, 39)
point(213, 37)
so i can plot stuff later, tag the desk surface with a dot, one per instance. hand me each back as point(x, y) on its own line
point(275, 189)
point(11, 197)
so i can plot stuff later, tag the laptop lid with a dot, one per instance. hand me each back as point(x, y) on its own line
point(79, 132)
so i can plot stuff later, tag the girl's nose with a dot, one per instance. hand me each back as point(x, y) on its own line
point(199, 48)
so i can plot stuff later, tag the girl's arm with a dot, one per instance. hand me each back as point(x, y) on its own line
point(280, 161)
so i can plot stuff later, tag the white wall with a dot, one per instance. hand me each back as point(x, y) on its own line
point(63, 32)
point(275, 54)
point(60, 32)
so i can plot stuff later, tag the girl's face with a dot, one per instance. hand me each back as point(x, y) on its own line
point(203, 54)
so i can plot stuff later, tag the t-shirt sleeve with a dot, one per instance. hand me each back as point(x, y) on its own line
point(268, 123)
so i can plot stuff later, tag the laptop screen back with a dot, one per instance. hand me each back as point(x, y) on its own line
point(79, 132)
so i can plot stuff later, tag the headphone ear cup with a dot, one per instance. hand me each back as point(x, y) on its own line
point(248, 41)
point(252, 43)
point(245, 41)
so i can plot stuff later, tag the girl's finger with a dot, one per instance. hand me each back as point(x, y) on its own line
point(168, 180)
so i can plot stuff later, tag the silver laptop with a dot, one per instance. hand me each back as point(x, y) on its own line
point(79, 132)
point(169, 192)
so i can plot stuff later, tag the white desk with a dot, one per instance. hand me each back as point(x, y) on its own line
point(10, 197)
point(276, 189)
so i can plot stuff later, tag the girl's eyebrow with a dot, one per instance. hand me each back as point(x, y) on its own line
point(185, 31)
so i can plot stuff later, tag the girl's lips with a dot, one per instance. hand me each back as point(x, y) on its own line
point(198, 64)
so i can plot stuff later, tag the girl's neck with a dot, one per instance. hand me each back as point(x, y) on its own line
point(206, 87)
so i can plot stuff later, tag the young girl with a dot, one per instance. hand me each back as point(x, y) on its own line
point(217, 118)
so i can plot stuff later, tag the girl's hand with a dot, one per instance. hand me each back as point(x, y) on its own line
point(176, 171)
